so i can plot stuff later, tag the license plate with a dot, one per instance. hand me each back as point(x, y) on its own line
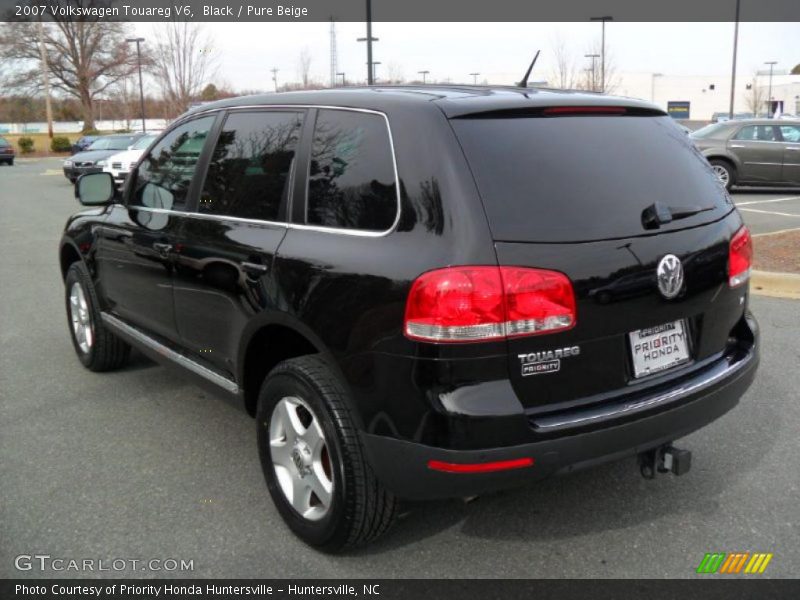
point(658, 348)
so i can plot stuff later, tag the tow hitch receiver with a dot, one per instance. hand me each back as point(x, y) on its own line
point(666, 459)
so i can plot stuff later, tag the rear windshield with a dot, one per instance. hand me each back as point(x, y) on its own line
point(112, 143)
point(583, 178)
point(715, 130)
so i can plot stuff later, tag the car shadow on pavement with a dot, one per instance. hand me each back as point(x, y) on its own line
point(608, 497)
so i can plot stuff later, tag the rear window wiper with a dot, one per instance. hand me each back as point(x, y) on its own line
point(658, 214)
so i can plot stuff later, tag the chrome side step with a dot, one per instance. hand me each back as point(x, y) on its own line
point(139, 337)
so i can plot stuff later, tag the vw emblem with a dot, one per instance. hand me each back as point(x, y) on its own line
point(670, 276)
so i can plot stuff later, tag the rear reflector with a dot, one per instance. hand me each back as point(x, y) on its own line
point(474, 304)
point(502, 465)
point(740, 257)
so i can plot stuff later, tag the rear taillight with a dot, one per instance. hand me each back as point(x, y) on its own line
point(740, 257)
point(474, 304)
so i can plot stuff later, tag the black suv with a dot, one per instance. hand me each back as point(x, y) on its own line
point(424, 292)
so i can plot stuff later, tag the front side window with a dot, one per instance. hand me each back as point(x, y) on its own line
point(757, 133)
point(164, 176)
point(248, 176)
point(351, 178)
point(791, 133)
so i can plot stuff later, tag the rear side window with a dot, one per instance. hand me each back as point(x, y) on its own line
point(351, 178)
point(248, 176)
point(756, 133)
point(584, 178)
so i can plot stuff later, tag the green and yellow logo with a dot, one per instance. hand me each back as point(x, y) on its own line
point(734, 563)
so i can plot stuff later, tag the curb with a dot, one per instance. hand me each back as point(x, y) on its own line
point(776, 285)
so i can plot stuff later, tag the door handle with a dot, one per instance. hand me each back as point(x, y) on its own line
point(737, 146)
point(795, 148)
point(162, 249)
point(254, 268)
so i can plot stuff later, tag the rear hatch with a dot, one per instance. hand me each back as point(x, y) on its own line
point(604, 198)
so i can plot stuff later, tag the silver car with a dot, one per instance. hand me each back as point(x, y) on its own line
point(753, 151)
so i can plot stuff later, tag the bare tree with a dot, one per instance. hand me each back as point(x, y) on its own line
point(564, 74)
point(304, 66)
point(183, 62)
point(591, 77)
point(394, 72)
point(755, 98)
point(85, 57)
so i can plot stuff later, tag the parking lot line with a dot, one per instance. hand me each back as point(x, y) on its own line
point(767, 201)
point(769, 212)
point(779, 231)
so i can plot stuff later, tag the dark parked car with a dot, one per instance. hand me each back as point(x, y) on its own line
point(83, 143)
point(752, 152)
point(92, 160)
point(7, 152)
point(402, 286)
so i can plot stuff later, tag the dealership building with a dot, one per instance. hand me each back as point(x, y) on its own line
point(703, 95)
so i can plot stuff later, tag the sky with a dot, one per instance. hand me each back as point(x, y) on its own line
point(245, 52)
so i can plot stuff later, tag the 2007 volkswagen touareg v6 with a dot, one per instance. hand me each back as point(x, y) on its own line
point(424, 292)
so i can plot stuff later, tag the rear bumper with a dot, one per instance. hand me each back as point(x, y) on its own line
point(402, 466)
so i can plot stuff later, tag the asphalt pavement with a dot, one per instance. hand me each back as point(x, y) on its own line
point(142, 464)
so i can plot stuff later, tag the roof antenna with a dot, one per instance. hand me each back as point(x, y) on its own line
point(524, 82)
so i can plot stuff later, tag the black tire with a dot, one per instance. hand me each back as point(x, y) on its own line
point(106, 352)
point(361, 509)
point(718, 163)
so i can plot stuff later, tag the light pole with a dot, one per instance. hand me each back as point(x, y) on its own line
point(653, 86)
point(138, 41)
point(342, 76)
point(771, 64)
point(424, 76)
point(369, 39)
point(603, 52)
point(474, 78)
point(733, 67)
point(594, 70)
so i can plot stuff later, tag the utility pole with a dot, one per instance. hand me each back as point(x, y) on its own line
point(770, 112)
point(138, 41)
point(603, 20)
point(274, 71)
point(46, 79)
point(733, 68)
point(594, 69)
point(474, 78)
point(424, 76)
point(369, 39)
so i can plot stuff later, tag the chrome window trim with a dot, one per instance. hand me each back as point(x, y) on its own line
point(302, 226)
point(208, 217)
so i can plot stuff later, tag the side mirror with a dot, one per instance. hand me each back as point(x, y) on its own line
point(95, 189)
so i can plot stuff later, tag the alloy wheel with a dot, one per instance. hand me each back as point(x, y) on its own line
point(300, 458)
point(80, 317)
point(722, 174)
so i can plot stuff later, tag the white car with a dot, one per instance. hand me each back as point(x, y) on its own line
point(119, 165)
